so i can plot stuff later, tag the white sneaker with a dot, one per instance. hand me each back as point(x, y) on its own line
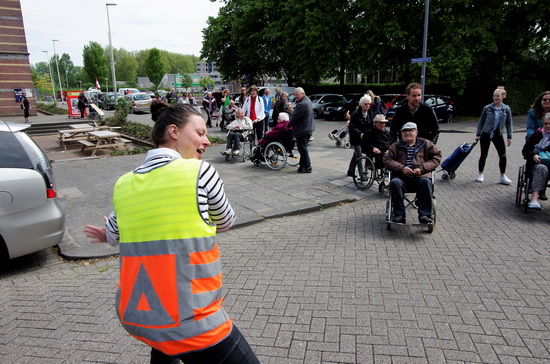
point(535, 205)
point(236, 152)
point(228, 151)
point(479, 178)
point(505, 180)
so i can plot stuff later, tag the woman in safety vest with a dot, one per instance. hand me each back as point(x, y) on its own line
point(166, 215)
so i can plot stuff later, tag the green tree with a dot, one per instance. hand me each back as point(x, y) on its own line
point(154, 68)
point(95, 62)
point(126, 65)
point(206, 83)
point(186, 81)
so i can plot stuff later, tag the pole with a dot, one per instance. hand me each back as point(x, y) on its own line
point(51, 75)
point(425, 46)
point(111, 49)
point(57, 65)
point(106, 85)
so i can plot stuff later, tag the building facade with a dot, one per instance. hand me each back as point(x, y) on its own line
point(15, 69)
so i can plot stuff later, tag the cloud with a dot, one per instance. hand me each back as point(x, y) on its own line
point(172, 25)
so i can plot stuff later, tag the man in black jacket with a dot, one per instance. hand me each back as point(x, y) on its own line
point(416, 112)
point(302, 126)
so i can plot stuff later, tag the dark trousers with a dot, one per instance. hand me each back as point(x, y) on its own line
point(423, 188)
point(234, 349)
point(301, 145)
point(259, 129)
point(484, 143)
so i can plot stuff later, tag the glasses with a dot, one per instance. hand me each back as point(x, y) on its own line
point(545, 100)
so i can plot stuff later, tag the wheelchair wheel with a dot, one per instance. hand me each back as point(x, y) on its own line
point(388, 214)
point(365, 180)
point(445, 177)
point(293, 158)
point(519, 188)
point(434, 216)
point(525, 201)
point(381, 188)
point(347, 145)
point(257, 163)
point(275, 156)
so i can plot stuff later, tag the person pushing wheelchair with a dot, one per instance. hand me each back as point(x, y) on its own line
point(411, 161)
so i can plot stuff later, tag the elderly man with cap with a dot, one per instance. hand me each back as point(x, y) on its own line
point(376, 140)
point(412, 161)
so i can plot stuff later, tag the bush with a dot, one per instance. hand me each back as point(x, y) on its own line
point(52, 108)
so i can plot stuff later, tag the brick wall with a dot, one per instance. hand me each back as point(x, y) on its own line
point(15, 70)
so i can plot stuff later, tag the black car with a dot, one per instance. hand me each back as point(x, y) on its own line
point(337, 110)
point(442, 106)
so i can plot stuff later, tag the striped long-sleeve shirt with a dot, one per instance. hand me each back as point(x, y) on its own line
point(213, 204)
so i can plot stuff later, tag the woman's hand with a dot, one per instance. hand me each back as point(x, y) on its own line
point(536, 158)
point(96, 234)
point(508, 141)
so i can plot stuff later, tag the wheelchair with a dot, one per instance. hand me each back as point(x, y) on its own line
point(524, 186)
point(371, 173)
point(411, 203)
point(277, 154)
point(247, 147)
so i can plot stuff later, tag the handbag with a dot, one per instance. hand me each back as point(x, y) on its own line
point(545, 157)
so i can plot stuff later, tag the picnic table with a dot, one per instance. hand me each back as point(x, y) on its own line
point(77, 132)
point(103, 139)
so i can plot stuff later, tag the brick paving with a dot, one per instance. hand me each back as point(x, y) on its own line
point(329, 286)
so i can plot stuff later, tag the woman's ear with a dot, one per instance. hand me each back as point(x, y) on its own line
point(173, 131)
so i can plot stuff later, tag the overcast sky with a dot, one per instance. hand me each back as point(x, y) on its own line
point(171, 25)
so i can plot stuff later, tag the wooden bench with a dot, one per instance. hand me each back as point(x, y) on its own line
point(86, 143)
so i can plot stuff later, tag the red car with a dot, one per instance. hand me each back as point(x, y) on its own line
point(391, 99)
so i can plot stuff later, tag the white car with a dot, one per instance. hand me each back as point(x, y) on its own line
point(31, 216)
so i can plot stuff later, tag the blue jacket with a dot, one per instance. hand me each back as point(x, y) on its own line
point(487, 118)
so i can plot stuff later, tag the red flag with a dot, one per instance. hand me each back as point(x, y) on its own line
point(97, 84)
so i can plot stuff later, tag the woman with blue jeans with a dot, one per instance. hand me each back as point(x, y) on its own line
point(494, 118)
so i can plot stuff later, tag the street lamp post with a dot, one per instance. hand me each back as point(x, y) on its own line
point(111, 49)
point(80, 83)
point(106, 85)
point(57, 65)
point(51, 76)
point(425, 46)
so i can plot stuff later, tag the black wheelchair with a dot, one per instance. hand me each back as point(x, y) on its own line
point(524, 186)
point(411, 203)
point(277, 153)
point(371, 171)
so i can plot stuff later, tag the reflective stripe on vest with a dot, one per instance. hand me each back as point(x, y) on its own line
point(169, 294)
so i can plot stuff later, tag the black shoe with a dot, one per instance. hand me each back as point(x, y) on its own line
point(399, 219)
point(423, 219)
point(543, 197)
point(304, 170)
point(351, 174)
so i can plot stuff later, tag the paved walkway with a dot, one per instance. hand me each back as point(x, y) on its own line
point(329, 286)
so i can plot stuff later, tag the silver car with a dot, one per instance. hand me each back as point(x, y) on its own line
point(139, 101)
point(31, 217)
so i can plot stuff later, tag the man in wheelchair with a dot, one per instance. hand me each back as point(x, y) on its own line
point(280, 133)
point(411, 161)
point(235, 135)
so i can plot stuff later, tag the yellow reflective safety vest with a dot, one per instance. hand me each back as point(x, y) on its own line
point(169, 295)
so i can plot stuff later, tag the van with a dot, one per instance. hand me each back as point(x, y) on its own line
point(92, 94)
point(127, 90)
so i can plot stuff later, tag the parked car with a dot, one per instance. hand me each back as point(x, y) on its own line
point(31, 216)
point(139, 102)
point(321, 100)
point(442, 106)
point(337, 110)
point(390, 100)
point(108, 102)
point(127, 90)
